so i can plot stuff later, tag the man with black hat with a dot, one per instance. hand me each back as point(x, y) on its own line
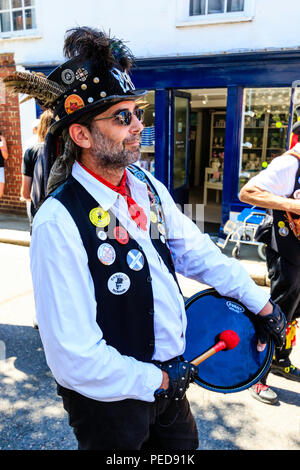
point(277, 188)
point(105, 246)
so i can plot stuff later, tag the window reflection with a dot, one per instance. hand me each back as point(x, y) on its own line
point(265, 128)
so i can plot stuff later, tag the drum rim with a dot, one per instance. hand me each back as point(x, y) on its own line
point(237, 388)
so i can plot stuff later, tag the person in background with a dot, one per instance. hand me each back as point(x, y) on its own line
point(32, 181)
point(277, 188)
point(33, 140)
point(3, 157)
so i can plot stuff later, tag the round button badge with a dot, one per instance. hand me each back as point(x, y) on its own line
point(121, 235)
point(99, 217)
point(297, 194)
point(118, 283)
point(135, 260)
point(283, 231)
point(106, 254)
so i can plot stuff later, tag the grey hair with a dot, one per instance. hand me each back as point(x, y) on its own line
point(69, 152)
point(62, 167)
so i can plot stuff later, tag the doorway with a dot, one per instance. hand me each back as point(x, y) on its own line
point(207, 126)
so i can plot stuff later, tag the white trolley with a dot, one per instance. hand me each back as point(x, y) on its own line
point(243, 231)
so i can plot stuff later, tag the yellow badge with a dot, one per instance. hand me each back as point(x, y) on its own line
point(99, 217)
point(153, 217)
point(73, 103)
point(281, 224)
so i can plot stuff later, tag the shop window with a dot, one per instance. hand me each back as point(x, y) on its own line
point(147, 159)
point(17, 16)
point(197, 12)
point(265, 129)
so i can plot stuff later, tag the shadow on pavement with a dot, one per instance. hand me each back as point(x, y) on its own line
point(32, 416)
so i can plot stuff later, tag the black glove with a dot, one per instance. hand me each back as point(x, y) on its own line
point(272, 326)
point(181, 374)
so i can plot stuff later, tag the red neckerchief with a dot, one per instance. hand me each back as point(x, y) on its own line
point(136, 212)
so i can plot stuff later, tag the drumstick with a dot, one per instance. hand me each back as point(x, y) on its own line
point(228, 340)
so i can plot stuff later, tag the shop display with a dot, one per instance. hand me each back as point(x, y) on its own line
point(147, 159)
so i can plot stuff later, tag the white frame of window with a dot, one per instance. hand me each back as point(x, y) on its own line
point(22, 32)
point(183, 18)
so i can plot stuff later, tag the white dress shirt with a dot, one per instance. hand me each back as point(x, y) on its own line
point(76, 352)
point(279, 176)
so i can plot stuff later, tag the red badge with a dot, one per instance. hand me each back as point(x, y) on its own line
point(121, 235)
point(73, 103)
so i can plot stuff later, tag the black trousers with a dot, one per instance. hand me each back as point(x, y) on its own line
point(130, 424)
point(285, 289)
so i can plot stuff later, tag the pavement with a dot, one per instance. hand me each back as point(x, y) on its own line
point(32, 416)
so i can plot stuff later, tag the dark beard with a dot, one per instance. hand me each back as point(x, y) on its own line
point(109, 154)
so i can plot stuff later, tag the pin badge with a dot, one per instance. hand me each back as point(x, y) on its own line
point(297, 194)
point(81, 74)
point(121, 235)
point(118, 283)
point(153, 217)
point(68, 76)
point(73, 103)
point(281, 224)
point(135, 260)
point(99, 217)
point(162, 239)
point(106, 254)
point(162, 229)
point(283, 231)
point(102, 235)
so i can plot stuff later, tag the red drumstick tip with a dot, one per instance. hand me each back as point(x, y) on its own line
point(230, 338)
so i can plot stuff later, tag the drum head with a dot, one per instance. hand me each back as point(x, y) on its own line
point(208, 314)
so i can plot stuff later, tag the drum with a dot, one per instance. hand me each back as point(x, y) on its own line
point(227, 371)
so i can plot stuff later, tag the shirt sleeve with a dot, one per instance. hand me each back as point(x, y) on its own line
point(76, 352)
point(197, 257)
point(279, 177)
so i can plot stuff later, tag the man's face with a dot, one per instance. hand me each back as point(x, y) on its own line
point(116, 145)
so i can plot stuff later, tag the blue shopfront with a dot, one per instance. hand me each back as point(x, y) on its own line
point(214, 121)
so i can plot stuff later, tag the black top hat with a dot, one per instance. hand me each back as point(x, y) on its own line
point(89, 88)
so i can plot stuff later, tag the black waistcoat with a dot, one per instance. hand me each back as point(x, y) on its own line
point(283, 240)
point(124, 313)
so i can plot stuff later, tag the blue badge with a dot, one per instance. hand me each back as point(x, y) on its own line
point(135, 260)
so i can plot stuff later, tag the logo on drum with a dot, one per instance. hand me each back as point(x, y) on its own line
point(235, 307)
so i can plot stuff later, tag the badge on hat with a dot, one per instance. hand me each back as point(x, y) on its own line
point(118, 283)
point(81, 74)
point(99, 217)
point(106, 254)
point(73, 103)
point(68, 76)
point(135, 260)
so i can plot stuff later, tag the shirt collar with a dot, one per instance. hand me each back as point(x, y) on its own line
point(105, 196)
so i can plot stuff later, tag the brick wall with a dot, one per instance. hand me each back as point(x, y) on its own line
point(11, 129)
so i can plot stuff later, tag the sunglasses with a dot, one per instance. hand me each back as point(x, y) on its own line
point(125, 116)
